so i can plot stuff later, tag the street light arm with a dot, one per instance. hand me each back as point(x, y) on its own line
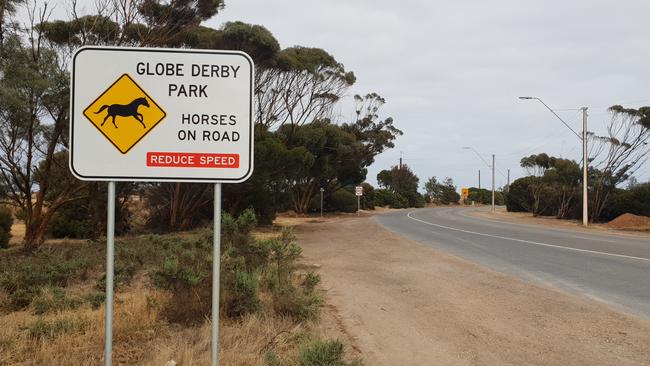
point(555, 114)
point(479, 155)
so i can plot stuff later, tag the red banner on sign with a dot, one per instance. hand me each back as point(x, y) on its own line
point(192, 160)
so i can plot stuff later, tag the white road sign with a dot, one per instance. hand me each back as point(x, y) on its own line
point(358, 190)
point(140, 114)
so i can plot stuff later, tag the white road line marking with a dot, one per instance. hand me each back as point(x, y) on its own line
point(527, 241)
point(568, 232)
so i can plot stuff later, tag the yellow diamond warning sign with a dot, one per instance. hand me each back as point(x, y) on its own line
point(124, 113)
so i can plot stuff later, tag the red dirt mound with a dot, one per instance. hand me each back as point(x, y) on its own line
point(630, 222)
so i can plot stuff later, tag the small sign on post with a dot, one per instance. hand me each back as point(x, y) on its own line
point(164, 115)
point(358, 191)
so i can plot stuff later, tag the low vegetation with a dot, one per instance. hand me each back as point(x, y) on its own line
point(51, 300)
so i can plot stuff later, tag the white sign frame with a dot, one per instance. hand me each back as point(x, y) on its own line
point(207, 175)
point(358, 191)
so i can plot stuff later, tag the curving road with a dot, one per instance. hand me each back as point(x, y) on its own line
point(608, 268)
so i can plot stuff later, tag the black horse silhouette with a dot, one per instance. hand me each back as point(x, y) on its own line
point(128, 110)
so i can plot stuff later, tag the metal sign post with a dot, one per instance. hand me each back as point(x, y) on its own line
point(110, 273)
point(216, 271)
point(161, 115)
point(321, 201)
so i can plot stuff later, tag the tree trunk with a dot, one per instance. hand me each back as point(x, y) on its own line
point(36, 229)
point(173, 207)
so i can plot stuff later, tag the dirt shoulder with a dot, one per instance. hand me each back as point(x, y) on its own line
point(525, 218)
point(402, 303)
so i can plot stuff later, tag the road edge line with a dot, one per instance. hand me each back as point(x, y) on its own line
point(526, 241)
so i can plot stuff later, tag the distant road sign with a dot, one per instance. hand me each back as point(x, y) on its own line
point(141, 114)
point(465, 192)
point(358, 190)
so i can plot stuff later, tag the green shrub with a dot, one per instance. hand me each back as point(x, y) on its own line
point(385, 197)
point(22, 278)
point(244, 295)
point(187, 276)
point(484, 196)
point(123, 273)
point(342, 200)
point(414, 199)
point(272, 359)
point(368, 198)
point(324, 353)
point(49, 330)
point(634, 200)
point(21, 298)
point(298, 304)
point(95, 299)
point(519, 197)
point(6, 221)
point(293, 295)
point(186, 272)
point(71, 221)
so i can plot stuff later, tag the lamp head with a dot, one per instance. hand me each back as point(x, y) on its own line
point(526, 98)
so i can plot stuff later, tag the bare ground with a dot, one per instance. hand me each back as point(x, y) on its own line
point(402, 303)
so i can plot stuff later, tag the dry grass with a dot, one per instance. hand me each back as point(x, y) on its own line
point(242, 342)
point(141, 337)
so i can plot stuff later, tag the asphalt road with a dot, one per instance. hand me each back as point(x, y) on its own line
point(608, 268)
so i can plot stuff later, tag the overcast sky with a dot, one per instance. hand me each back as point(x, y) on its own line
point(451, 71)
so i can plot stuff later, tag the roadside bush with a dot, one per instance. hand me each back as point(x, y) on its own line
point(123, 273)
point(449, 196)
point(86, 218)
point(484, 196)
point(6, 221)
point(385, 197)
point(415, 199)
point(292, 295)
point(186, 272)
point(299, 302)
point(325, 353)
point(635, 200)
point(519, 197)
point(24, 277)
point(368, 198)
point(240, 288)
point(342, 200)
point(72, 222)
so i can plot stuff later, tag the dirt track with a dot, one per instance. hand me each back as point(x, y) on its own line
point(405, 304)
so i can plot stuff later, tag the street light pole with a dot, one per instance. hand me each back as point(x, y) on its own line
point(585, 160)
point(493, 208)
point(479, 172)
